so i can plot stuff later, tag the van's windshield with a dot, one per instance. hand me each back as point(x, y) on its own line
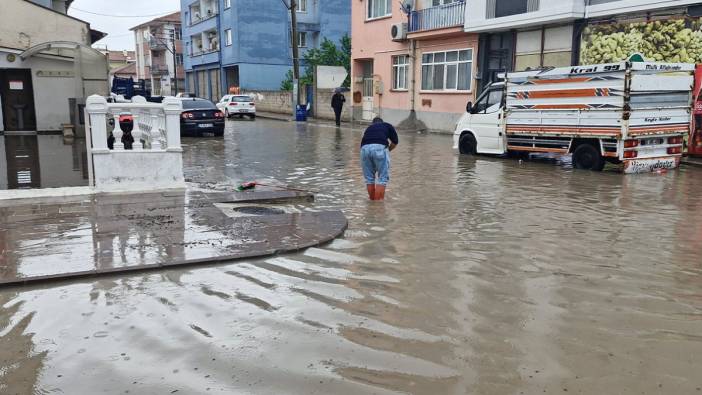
point(491, 96)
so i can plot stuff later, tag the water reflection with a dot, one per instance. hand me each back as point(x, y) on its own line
point(477, 275)
point(42, 161)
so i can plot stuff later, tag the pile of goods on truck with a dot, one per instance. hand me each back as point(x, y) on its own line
point(672, 40)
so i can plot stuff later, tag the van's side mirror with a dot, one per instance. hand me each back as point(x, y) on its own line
point(469, 107)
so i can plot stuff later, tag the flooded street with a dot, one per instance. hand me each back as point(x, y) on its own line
point(476, 276)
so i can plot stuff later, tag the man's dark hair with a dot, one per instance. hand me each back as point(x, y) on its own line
point(378, 120)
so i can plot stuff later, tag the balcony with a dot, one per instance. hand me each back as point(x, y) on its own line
point(159, 69)
point(157, 45)
point(438, 17)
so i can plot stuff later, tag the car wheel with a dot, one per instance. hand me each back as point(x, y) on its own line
point(588, 157)
point(253, 117)
point(467, 144)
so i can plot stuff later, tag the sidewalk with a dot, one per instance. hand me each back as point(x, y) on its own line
point(311, 120)
point(81, 236)
point(692, 161)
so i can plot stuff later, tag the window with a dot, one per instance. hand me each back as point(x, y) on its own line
point(510, 7)
point(179, 59)
point(400, 67)
point(544, 47)
point(301, 6)
point(447, 71)
point(227, 4)
point(487, 100)
point(228, 37)
point(301, 39)
point(379, 8)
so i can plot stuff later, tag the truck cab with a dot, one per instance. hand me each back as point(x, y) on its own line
point(481, 129)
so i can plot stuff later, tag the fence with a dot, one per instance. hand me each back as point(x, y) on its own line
point(155, 158)
point(438, 17)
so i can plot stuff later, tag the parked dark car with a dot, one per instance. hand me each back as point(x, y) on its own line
point(200, 117)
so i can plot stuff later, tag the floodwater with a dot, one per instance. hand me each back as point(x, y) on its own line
point(42, 161)
point(475, 276)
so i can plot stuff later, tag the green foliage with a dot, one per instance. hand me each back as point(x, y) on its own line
point(328, 54)
point(287, 83)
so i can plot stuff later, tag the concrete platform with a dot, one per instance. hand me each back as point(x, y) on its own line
point(78, 236)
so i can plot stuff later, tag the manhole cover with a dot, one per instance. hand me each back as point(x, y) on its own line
point(258, 210)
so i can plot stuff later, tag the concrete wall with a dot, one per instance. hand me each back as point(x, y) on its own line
point(16, 30)
point(134, 170)
point(3, 164)
point(51, 94)
point(279, 102)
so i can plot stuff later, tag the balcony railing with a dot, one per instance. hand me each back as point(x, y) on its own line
point(159, 69)
point(438, 17)
point(151, 157)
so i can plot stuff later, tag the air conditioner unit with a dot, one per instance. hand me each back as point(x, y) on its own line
point(398, 32)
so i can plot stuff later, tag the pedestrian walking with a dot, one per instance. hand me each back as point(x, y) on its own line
point(378, 140)
point(337, 104)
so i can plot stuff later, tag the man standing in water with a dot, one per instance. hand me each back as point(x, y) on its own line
point(337, 104)
point(379, 139)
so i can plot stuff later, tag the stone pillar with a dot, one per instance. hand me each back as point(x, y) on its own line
point(173, 107)
point(97, 110)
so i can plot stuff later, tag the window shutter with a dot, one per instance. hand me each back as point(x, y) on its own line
point(532, 5)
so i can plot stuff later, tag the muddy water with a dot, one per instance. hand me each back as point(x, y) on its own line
point(485, 276)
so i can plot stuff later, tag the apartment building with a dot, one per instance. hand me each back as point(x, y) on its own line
point(413, 65)
point(159, 54)
point(247, 43)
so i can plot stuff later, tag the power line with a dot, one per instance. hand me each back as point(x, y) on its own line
point(120, 16)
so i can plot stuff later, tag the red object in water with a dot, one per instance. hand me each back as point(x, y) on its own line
point(247, 185)
point(695, 142)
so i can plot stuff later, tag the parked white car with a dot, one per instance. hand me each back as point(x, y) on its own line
point(241, 105)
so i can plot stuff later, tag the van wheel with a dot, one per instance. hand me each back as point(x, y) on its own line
point(467, 144)
point(588, 157)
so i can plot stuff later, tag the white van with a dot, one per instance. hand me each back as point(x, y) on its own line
point(633, 114)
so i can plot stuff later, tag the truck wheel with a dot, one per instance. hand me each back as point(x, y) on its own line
point(588, 157)
point(467, 144)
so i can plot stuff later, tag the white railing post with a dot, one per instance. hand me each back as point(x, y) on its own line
point(155, 133)
point(137, 133)
point(117, 132)
point(97, 110)
point(173, 107)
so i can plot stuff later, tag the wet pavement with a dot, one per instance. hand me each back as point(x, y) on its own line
point(72, 237)
point(42, 161)
point(477, 275)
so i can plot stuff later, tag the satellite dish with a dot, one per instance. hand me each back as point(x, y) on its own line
point(407, 6)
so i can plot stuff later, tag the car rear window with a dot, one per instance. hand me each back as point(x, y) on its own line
point(198, 103)
point(241, 99)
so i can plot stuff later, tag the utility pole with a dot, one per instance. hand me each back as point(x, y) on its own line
point(175, 62)
point(295, 53)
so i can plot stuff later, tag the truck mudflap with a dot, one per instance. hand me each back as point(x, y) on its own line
point(646, 165)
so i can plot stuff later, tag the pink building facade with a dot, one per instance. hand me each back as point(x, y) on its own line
point(414, 68)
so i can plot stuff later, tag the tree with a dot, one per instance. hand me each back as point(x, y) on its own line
point(328, 54)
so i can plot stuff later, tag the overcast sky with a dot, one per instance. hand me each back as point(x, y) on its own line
point(117, 29)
